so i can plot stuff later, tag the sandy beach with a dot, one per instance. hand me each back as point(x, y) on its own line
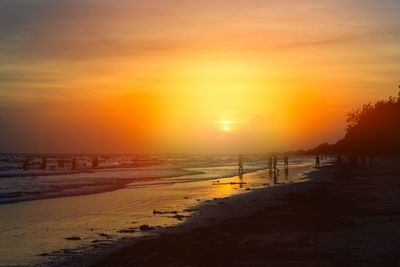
point(52, 228)
point(341, 217)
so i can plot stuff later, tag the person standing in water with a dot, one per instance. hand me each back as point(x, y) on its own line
point(317, 161)
point(270, 162)
point(25, 165)
point(95, 162)
point(73, 165)
point(240, 163)
point(44, 164)
point(275, 161)
point(286, 161)
point(60, 163)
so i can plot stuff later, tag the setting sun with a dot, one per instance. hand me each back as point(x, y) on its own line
point(226, 125)
point(226, 128)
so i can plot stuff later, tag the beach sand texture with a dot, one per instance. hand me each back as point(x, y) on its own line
point(52, 230)
point(343, 217)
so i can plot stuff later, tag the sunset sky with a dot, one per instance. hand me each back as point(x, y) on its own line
point(205, 76)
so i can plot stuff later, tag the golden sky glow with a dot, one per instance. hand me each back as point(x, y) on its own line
point(190, 76)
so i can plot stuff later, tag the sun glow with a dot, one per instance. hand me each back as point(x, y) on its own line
point(226, 128)
point(226, 125)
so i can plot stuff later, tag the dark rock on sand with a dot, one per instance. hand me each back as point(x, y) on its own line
point(129, 230)
point(164, 212)
point(189, 210)
point(44, 254)
point(105, 235)
point(179, 217)
point(73, 238)
point(145, 228)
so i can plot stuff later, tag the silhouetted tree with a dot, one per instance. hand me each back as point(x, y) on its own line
point(374, 128)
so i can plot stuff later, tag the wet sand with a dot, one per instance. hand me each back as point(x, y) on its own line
point(52, 231)
point(342, 217)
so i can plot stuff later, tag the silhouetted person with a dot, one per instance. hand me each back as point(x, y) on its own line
point(60, 163)
point(286, 161)
point(73, 165)
point(25, 165)
point(363, 161)
point(44, 164)
point(270, 161)
point(273, 176)
point(286, 173)
point(354, 160)
point(240, 163)
point(275, 161)
point(95, 162)
point(317, 161)
point(241, 180)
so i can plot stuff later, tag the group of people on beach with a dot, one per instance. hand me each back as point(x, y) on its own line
point(273, 162)
point(60, 163)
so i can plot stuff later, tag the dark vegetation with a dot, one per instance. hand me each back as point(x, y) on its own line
point(372, 130)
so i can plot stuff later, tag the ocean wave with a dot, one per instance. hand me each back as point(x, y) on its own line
point(116, 172)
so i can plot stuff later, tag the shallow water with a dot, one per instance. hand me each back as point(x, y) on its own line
point(40, 227)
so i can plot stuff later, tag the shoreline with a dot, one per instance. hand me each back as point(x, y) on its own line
point(120, 183)
point(338, 217)
point(204, 214)
point(45, 232)
point(107, 185)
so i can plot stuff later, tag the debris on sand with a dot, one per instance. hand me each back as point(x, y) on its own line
point(238, 183)
point(129, 230)
point(164, 212)
point(73, 238)
point(189, 210)
point(145, 228)
point(105, 235)
point(179, 217)
point(44, 254)
point(230, 183)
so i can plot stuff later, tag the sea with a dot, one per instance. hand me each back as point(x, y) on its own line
point(48, 214)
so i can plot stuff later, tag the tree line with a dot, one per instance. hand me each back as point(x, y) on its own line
point(372, 130)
